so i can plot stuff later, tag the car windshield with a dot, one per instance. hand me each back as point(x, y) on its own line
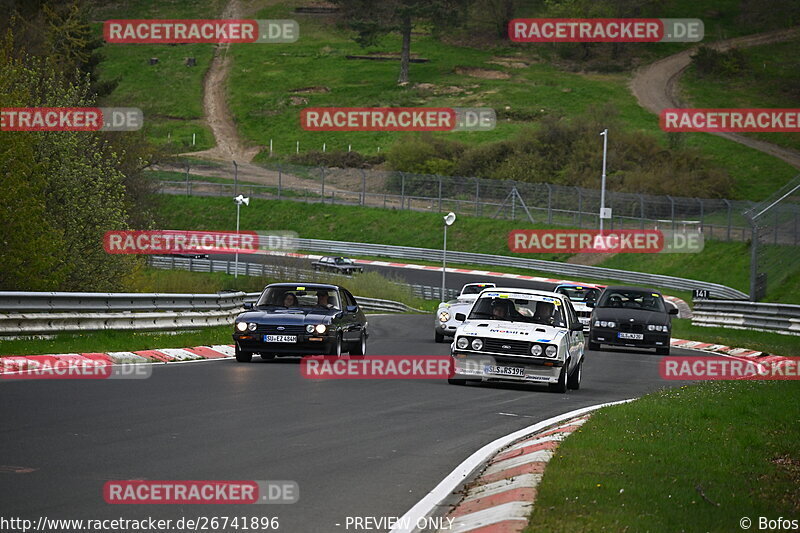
point(524, 308)
point(299, 297)
point(343, 261)
point(580, 294)
point(648, 301)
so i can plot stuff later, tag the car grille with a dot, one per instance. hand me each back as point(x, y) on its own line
point(496, 345)
point(584, 314)
point(627, 327)
point(287, 330)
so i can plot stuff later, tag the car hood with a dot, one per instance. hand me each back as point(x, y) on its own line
point(622, 314)
point(288, 318)
point(501, 329)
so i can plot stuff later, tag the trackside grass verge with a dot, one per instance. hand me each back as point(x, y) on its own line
point(774, 343)
point(695, 458)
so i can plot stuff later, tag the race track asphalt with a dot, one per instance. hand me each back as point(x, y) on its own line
point(356, 448)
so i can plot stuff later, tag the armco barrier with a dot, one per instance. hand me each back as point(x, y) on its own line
point(555, 267)
point(781, 318)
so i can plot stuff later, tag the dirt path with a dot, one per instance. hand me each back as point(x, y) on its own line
point(215, 104)
point(656, 86)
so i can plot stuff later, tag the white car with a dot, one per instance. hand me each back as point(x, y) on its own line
point(580, 296)
point(521, 335)
point(444, 322)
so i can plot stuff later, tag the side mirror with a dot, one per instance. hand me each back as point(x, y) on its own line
point(590, 304)
point(461, 317)
point(247, 305)
point(576, 326)
point(673, 311)
point(352, 309)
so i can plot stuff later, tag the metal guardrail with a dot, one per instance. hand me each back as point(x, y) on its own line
point(781, 318)
point(562, 269)
point(367, 304)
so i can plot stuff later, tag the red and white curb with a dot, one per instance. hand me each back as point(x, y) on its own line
point(22, 363)
point(501, 497)
point(753, 356)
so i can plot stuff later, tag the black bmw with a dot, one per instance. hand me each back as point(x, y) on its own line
point(631, 316)
point(301, 319)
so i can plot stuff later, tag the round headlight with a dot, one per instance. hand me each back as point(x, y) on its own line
point(603, 323)
point(462, 343)
point(241, 326)
point(477, 344)
point(651, 327)
point(551, 351)
point(321, 328)
point(310, 328)
point(536, 350)
point(252, 326)
point(612, 324)
point(444, 316)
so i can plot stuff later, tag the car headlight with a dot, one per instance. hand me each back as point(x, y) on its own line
point(444, 316)
point(657, 327)
point(612, 324)
point(310, 328)
point(241, 326)
point(320, 328)
point(252, 326)
point(551, 351)
point(477, 344)
point(597, 323)
point(536, 350)
point(462, 343)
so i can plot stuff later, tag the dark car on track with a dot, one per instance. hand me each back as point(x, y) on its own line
point(631, 316)
point(341, 265)
point(291, 319)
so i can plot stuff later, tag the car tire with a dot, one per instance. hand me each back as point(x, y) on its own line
point(561, 386)
point(243, 357)
point(361, 347)
point(574, 381)
point(594, 346)
point(267, 356)
point(438, 337)
point(662, 351)
point(456, 381)
point(336, 349)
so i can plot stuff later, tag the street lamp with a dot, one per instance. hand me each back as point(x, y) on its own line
point(448, 221)
point(239, 201)
point(603, 213)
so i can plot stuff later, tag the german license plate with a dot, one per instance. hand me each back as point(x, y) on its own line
point(504, 370)
point(280, 338)
point(631, 336)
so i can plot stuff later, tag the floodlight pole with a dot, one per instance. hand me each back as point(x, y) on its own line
point(603, 179)
point(444, 259)
point(236, 260)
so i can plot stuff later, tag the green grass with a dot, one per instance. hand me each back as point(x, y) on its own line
point(774, 343)
point(115, 341)
point(642, 466)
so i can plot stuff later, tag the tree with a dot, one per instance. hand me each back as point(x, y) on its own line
point(372, 20)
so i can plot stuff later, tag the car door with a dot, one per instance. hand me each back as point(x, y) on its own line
point(353, 321)
point(575, 338)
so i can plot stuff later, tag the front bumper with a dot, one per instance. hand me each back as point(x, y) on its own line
point(479, 367)
point(650, 339)
point(447, 329)
point(305, 345)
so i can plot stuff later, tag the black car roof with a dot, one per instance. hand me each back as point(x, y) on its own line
point(309, 286)
point(631, 288)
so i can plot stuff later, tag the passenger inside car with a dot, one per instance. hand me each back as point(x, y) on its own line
point(290, 300)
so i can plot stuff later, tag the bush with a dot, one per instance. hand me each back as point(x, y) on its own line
point(710, 62)
point(338, 159)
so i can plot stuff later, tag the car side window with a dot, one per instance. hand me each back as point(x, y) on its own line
point(573, 316)
point(349, 297)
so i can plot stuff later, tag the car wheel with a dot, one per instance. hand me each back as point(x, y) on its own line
point(574, 381)
point(662, 351)
point(243, 357)
point(438, 337)
point(336, 349)
point(455, 381)
point(561, 386)
point(267, 356)
point(361, 348)
point(594, 346)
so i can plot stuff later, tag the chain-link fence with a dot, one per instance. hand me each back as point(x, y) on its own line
point(537, 203)
point(775, 224)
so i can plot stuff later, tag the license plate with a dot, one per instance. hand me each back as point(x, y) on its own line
point(504, 370)
point(632, 336)
point(280, 338)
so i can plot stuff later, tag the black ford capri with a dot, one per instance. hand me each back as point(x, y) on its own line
point(294, 319)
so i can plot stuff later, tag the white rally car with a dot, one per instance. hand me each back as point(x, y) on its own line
point(520, 335)
point(444, 322)
point(580, 296)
